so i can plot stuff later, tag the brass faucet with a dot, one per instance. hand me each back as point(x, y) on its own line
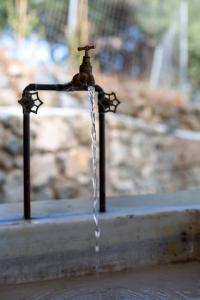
point(84, 77)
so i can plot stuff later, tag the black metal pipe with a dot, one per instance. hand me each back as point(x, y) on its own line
point(49, 87)
point(69, 87)
point(26, 158)
point(102, 162)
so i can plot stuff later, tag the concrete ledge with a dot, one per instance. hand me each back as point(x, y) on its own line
point(59, 241)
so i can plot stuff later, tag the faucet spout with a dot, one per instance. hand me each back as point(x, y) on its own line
point(85, 76)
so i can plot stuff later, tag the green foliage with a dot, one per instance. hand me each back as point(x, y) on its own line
point(110, 17)
point(3, 14)
point(52, 18)
point(19, 19)
point(194, 53)
point(42, 16)
point(194, 42)
point(154, 16)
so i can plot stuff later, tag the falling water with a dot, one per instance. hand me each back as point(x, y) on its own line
point(91, 94)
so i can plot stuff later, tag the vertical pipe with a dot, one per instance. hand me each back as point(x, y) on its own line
point(102, 162)
point(26, 158)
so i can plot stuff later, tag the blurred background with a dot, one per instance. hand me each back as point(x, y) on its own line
point(148, 52)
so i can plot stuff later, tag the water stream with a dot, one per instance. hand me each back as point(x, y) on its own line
point(91, 95)
point(99, 293)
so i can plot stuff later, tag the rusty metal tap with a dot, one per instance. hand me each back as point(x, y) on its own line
point(84, 77)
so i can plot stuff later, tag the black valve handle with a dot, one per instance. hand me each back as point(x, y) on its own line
point(30, 102)
point(109, 102)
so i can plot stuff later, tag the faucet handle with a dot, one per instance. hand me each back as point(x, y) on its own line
point(86, 48)
point(109, 102)
point(30, 102)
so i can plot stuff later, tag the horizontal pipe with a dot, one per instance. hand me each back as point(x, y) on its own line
point(48, 87)
point(68, 87)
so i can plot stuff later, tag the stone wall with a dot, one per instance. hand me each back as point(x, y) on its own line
point(140, 158)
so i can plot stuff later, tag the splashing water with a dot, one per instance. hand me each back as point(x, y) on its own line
point(91, 94)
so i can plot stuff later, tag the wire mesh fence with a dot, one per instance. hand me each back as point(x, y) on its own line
point(125, 41)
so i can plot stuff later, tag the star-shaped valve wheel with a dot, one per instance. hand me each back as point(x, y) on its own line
point(109, 102)
point(30, 102)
